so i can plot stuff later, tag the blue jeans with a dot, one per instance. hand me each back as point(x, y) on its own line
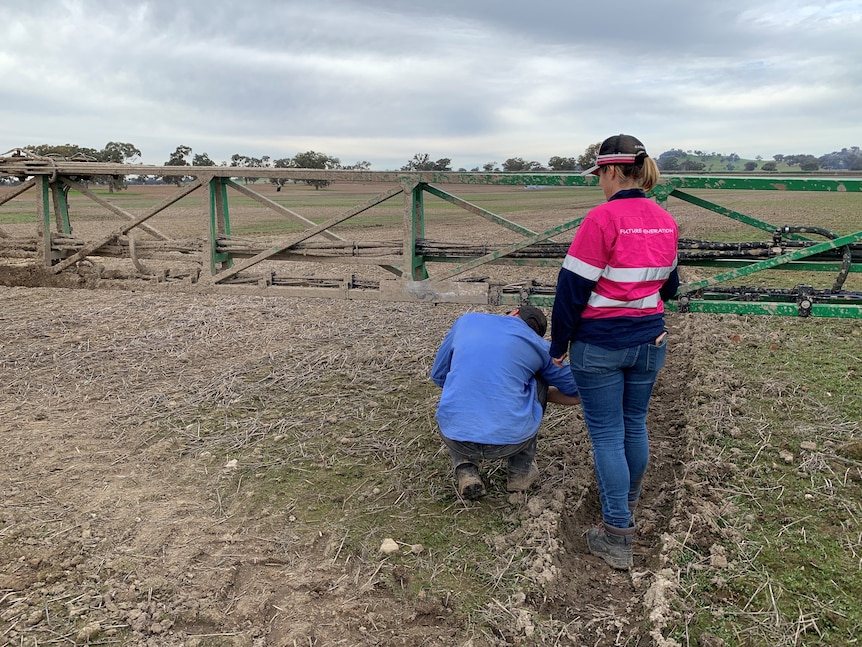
point(615, 388)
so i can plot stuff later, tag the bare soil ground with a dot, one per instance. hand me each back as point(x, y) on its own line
point(113, 527)
point(118, 525)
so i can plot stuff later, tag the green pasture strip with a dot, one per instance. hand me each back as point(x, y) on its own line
point(783, 463)
point(267, 227)
point(118, 195)
point(437, 211)
point(520, 199)
point(335, 201)
point(840, 212)
point(240, 227)
point(77, 202)
point(757, 199)
point(503, 200)
point(723, 211)
point(16, 217)
point(123, 199)
point(484, 213)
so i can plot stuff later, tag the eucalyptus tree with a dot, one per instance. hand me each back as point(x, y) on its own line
point(423, 162)
point(313, 159)
point(177, 158)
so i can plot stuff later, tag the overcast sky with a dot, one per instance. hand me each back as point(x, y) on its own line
point(473, 80)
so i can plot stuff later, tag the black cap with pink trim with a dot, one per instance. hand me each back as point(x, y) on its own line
point(619, 149)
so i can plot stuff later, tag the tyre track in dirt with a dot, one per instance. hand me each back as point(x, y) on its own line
point(594, 604)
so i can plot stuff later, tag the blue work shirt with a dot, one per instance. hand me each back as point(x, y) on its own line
point(486, 366)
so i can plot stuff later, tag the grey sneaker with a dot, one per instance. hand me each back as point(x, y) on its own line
point(470, 484)
point(522, 482)
point(614, 545)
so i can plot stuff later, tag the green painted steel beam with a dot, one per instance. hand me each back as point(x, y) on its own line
point(764, 299)
point(771, 308)
point(767, 308)
point(413, 266)
point(61, 208)
point(219, 224)
point(43, 208)
point(542, 301)
point(506, 179)
point(813, 266)
point(764, 183)
point(15, 167)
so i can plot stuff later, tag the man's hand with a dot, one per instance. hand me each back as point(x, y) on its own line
point(558, 397)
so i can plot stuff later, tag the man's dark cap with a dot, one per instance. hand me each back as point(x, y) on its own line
point(535, 319)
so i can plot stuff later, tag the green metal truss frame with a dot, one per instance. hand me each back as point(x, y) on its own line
point(691, 297)
point(418, 276)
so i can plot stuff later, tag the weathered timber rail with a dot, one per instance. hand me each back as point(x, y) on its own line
point(415, 267)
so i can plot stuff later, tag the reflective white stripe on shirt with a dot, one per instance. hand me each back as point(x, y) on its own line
point(637, 274)
point(598, 301)
point(589, 272)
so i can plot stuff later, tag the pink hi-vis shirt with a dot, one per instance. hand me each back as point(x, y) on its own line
point(629, 248)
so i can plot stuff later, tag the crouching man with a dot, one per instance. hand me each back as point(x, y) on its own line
point(497, 379)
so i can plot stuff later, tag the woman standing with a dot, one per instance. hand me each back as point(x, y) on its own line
point(609, 316)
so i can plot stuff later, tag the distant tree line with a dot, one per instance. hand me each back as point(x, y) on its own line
point(309, 159)
point(423, 162)
point(115, 152)
point(847, 159)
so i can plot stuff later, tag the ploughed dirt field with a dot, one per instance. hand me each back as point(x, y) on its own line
point(186, 467)
point(119, 525)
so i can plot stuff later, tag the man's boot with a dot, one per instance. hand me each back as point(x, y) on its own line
point(614, 545)
point(521, 482)
point(470, 484)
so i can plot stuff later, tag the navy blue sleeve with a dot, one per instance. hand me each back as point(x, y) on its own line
point(670, 286)
point(573, 293)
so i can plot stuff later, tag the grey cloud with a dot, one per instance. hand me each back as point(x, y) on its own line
point(557, 74)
